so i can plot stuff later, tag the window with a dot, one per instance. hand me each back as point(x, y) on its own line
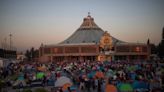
point(88, 49)
point(71, 50)
point(58, 50)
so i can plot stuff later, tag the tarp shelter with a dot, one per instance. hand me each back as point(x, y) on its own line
point(99, 74)
point(61, 81)
point(21, 76)
point(140, 85)
point(40, 75)
point(65, 86)
point(91, 74)
point(125, 87)
point(41, 69)
point(110, 88)
point(109, 73)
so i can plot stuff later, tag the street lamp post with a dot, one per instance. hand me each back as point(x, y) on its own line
point(10, 41)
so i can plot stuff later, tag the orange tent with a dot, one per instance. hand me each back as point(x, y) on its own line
point(99, 74)
point(65, 86)
point(110, 88)
point(41, 69)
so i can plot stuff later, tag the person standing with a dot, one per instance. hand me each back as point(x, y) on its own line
point(93, 84)
point(44, 80)
point(81, 83)
point(99, 86)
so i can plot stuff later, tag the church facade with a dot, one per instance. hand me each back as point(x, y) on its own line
point(90, 42)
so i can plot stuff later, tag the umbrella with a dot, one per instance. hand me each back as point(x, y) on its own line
point(99, 74)
point(73, 88)
point(138, 67)
point(131, 68)
point(61, 81)
point(133, 76)
point(21, 77)
point(91, 74)
point(125, 87)
point(110, 73)
point(106, 62)
point(110, 88)
point(140, 85)
point(40, 75)
point(58, 69)
point(94, 68)
point(101, 68)
point(82, 75)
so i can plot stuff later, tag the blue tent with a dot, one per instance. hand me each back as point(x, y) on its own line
point(133, 76)
point(140, 85)
point(21, 76)
point(91, 74)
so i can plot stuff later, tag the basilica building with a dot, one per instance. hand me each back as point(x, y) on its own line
point(91, 43)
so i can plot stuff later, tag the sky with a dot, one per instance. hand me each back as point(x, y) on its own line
point(32, 22)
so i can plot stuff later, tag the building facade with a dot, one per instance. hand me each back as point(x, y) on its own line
point(90, 42)
point(7, 54)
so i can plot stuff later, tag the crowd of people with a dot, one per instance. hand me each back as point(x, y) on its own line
point(90, 76)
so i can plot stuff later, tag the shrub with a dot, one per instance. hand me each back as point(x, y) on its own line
point(40, 90)
point(27, 90)
point(1, 84)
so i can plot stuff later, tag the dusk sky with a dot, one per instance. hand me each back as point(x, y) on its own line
point(33, 22)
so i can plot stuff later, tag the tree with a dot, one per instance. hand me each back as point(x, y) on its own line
point(36, 53)
point(161, 50)
point(32, 53)
point(153, 49)
point(161, 46)
point(27, 54)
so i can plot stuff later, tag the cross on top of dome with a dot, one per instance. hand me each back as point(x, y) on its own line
point(88, 22)
point(88, 14)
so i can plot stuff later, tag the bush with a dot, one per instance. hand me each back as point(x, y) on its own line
point(40, 90)
point(27, 90)
point(13, 77)
point(2, 84)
